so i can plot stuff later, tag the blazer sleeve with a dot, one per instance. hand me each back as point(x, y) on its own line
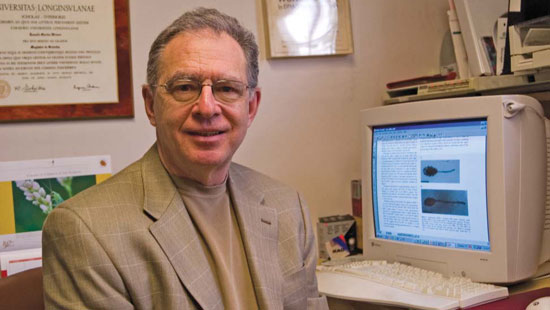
point(77, 272)
point(314, 300)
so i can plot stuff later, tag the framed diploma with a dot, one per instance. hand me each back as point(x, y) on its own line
point(64, 59)
point(307, 28)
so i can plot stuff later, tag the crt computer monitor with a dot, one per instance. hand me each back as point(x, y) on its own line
point(457, 186)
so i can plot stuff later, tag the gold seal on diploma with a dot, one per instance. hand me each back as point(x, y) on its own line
point(5, 89)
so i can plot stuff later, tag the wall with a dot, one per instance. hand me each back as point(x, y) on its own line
point(307, 132)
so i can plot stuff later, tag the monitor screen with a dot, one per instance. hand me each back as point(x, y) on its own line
point(429, 183)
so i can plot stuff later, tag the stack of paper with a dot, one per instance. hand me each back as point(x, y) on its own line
point(13, 262)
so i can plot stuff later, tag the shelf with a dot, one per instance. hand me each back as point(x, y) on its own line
point(536, 85)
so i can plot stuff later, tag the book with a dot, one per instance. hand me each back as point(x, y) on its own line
point(357, 211)
point(490, 52)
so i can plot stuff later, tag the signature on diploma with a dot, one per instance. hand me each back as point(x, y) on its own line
point(30, 88)
point(87, 87)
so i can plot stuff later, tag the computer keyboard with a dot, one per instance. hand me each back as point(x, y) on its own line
point(403, 285)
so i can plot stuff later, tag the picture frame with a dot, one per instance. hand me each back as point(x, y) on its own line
point(120, 107)
point(306, 28)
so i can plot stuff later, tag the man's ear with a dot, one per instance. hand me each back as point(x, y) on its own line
point(253, 105)
point(148, 99)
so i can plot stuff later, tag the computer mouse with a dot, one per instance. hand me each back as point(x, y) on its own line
point(542, 303)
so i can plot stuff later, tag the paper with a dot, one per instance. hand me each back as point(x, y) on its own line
point(537, 36)
point(13, 262)
point(30, 190)
point(57, 52)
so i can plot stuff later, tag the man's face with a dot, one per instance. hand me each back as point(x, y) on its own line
point(203, 134)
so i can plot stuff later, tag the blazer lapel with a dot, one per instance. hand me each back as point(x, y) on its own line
point(176, 234)
point(259, 230)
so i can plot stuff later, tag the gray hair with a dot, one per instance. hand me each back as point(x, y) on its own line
point(202, 18)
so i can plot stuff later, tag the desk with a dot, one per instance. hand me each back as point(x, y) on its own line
point(521, 295)
point(340, 304)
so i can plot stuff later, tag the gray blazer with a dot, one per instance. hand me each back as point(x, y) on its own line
point(129, 243)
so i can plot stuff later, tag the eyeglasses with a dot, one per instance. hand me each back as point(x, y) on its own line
point(189, 90)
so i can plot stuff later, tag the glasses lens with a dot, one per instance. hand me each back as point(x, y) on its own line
point(228, 91)
point(184, 90)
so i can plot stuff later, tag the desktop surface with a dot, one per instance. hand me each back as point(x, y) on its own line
point(517, 301)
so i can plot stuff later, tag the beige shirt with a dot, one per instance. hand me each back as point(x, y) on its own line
point(213, 216)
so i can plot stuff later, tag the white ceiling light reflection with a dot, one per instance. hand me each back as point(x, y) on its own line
point(311, 27)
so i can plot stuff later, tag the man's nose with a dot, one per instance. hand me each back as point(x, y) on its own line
point(207, 105)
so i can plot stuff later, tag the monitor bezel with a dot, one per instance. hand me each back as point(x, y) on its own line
point(500, 264)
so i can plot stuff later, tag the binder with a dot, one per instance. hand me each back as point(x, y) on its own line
point(500, 44)
point(458, 43)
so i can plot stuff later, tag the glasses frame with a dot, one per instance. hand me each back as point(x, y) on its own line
point(247, 88)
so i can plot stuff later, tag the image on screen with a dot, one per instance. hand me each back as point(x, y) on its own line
point(429, 183)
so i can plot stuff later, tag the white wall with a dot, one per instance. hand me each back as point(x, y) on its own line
point(307, 131)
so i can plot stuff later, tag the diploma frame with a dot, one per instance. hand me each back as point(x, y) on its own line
point(121, 109)
point(281, 45)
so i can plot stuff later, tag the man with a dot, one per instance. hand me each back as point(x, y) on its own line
point(184, 227)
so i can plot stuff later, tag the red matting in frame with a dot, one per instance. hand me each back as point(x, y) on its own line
point(123, 108)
